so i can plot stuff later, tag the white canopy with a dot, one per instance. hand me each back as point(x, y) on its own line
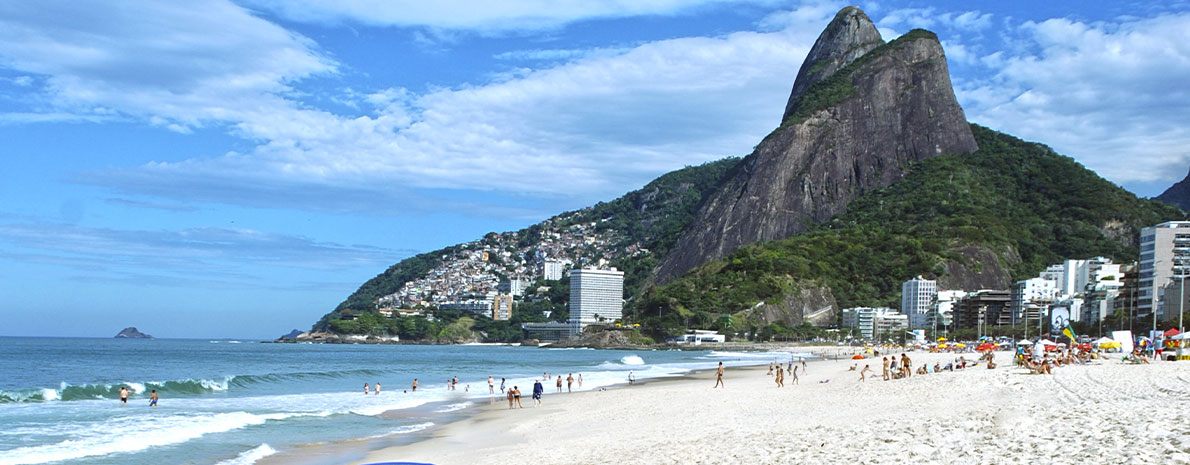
point(1047, 342)
point(1024, 342)
point(1103, 340)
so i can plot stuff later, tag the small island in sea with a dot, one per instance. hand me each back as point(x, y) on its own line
point(132, 333)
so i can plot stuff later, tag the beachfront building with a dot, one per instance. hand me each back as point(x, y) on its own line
point(917, 300)
point(863, 319)
point(1077, 277)
point(1030, 296)
point(1164, 257)
point(942, 315)
point(552, 270)
point(501, 307)
point(547, 331)
point(474, 306)
point(596, 296)
point(985, 307)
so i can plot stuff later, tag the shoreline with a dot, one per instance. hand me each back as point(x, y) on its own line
point(483, 415)
point(1105, 412)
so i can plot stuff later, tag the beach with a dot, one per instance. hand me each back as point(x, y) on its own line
point(1104, 413)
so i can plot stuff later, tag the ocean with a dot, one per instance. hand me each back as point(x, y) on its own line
point(234, 402)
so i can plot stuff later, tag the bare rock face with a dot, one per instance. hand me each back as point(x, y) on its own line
point(1177, 195)
point(860, 111)
point(810, 302)
point(979, 268)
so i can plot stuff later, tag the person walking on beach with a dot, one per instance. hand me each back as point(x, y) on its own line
point(559, 383)
point(414, 384)
point(780, 378)
point(631, 377)
point(719, 377)
point(510, 398)
point(491, 385)
point(793, 372)
point(538, 389)
point(516, 395)
point(864, 372)
point(569, 381)
point(803, 366)
point(123, 395)
point(153, 399)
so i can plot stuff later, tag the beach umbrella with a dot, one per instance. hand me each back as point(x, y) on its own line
point(1084, 346)
point(1024, 342)
point(1048, 342)
point(1171, 332)
point(941, 339)
point(857, 357)
point(986, 346)
point(960, 345)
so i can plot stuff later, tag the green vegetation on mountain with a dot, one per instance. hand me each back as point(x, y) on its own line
point(1009, 195)
point(646, 222)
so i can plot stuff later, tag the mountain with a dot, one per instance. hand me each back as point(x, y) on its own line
point(973, 221)
point(861, 110)
point(131, 333)
point(872, 177)
point(1177, 195)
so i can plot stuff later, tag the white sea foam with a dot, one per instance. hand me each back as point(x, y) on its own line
point(403, 430)
point(632, 360)
point(250, 457)
point(137, 433)
point(453, 407)
point(49, 394)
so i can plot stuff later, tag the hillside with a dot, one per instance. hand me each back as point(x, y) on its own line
point(1177, 195)
point(974, 221)
point(630, 232)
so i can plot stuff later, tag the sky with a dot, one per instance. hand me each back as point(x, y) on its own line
point(236, 168)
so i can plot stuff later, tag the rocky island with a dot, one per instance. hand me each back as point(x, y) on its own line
point(132, 333)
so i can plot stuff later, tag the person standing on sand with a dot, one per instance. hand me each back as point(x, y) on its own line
point(771, 368)
point(516, 395)
point(123, 395)
point(580, 380)
point(631, 377)
point(414, 384)
point(491, 385)
point(780, 378)
point(719, 377)
point(569, 381)
point(510, 398)
point(538, 389)
point(803, 365)
point(885, 363)
point(153, 399)
point(559, 383)
point(863, 373)
point(794, 374)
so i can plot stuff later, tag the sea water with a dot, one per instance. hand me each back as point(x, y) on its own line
point(235, 402)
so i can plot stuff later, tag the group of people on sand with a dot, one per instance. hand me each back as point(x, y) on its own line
point(125, 391)
point(1043, 363)
point(779, 371)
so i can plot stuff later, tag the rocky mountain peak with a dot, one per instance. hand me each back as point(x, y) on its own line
point(850, 35)
point(861, 111)
point(1177, 195)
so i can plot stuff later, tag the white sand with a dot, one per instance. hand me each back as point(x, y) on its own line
point(1106, 413)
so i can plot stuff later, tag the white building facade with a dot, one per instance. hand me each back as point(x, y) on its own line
point(1030, 296)
point(1164, 257)
point(868, 320)
point(917, 300)
point(552, 270)
point(596, 296)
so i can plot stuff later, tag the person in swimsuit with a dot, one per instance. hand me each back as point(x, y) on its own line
point(580, 380)
point(516, 395)
point(153, 399)
point(719, 377)
point(491, 385)
point(510, 398)
point(864, 372)
point(367, 390)
point(454, 382)
point(794, 374)
point(501, 384)
point(414, 384)
point(559, 383)
point(123, 395)
point(780, 378)
point(569, 381)
point(378, 388)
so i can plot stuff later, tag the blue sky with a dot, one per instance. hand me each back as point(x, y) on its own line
point(235, 169)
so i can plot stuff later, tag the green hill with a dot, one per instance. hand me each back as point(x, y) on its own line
point(1028, 204)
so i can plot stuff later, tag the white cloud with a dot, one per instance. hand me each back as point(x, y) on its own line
point(174, 64)
point(1113, 95)
point(477, 15)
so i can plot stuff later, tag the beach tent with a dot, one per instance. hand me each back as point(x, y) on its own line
point(1172, 332)
point(857, 357)
point(1102, 340)
point(1047, 342)
point(1024, 342)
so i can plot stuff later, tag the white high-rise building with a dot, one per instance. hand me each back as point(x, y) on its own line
point(1077, 277)
point(944, 308)
point(595, 296)
point(917, 300)
point(1030, 296)
point(870, 320)
point(1164, 257)
point(552, 271)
